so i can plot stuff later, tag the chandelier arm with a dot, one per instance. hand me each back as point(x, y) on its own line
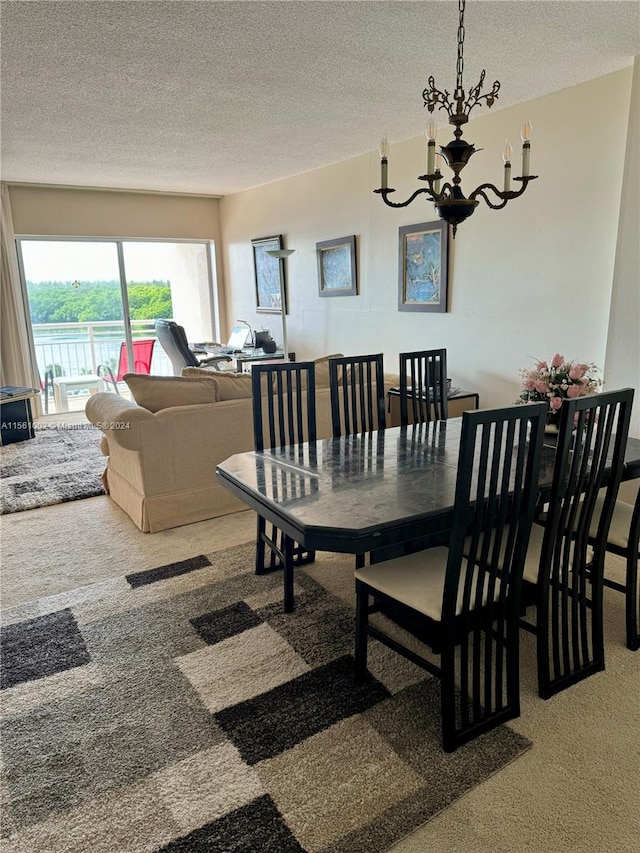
point(504, 196)
point(480, 192)
point(384, 193)
point(440, 196)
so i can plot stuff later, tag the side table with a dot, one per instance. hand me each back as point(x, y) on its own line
point(458, 403)
point(63, 384)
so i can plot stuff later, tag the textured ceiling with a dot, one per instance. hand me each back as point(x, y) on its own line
point(210, 97)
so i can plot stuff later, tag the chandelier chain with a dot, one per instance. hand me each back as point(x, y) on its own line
point(460, 60)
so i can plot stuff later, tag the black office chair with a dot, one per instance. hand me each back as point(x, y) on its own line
point(466, 609)
point(564, 568)
point(357, 394)
point(423, 386)
point(284, 414)
point(624, 540)
point(173, 340)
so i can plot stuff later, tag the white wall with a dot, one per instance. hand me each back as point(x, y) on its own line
point(623, 343)
point(530, 280)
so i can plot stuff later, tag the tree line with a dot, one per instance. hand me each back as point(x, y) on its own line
point(90, 301)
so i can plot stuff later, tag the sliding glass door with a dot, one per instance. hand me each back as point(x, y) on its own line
point(90, 300)
point(75, 304)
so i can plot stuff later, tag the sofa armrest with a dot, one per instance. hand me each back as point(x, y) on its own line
point(119, 419)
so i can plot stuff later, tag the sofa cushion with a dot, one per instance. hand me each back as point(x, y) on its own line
point(230, 386)
point(163, 392)
point(237, 386)
point(322, 369)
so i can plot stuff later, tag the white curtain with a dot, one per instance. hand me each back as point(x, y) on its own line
point(18, 364)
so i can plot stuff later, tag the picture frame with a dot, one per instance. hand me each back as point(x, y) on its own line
point(269, 275)
point(423, 267)
point(337, 267)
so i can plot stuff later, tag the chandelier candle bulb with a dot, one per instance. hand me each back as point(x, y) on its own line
point(431, 156)
point(384, 162)
point(525, 135)
point(507, 166)
point(430, 133)
point(526, 154)
point(438, 177)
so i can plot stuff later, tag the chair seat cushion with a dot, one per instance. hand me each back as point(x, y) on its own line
point(532, 558)
point(620, 522)
point(417, 580)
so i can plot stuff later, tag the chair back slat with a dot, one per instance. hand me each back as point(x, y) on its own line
point(357, 394)
point(423, 386)
point(589, 461)
point(496, 492)
point(284, 404)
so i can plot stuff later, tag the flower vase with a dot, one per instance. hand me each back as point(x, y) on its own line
point(553, 423)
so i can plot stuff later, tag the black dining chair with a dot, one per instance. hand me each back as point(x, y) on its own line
point(624, 540)
point(357, 394)
point(173, 340)
point(423, 386)
point(466, 608)
point(564, 569)
point(284, 414)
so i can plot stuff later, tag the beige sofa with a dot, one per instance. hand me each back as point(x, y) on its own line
point(163, 450)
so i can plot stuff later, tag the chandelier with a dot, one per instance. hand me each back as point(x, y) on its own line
point(449, 200)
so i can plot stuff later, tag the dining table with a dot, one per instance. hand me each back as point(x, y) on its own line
point(377, 493)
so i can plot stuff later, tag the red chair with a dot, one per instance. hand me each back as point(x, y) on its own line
point(142, 354)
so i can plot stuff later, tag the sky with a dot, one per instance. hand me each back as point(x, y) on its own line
point(67, 260)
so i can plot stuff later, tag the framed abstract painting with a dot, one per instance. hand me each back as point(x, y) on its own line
point(423, 267)
point(268, 273)
point(337, 267)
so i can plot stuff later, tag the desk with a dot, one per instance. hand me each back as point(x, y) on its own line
point(245, 363)
point(243, 359)
point(363, 493)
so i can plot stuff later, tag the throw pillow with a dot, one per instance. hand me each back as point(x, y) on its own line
point(230, 386)
point(322, 369)
point(162, 392)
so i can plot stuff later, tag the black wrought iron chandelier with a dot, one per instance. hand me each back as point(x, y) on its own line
point(449, 200)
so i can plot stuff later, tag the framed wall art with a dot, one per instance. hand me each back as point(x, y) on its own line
point(337, 267)
point(423, 267)
point(269, 274)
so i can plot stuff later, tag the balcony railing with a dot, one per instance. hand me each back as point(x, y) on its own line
point(73, 349)
point(76, 349)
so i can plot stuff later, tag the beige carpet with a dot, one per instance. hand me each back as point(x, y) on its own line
point(576, 790)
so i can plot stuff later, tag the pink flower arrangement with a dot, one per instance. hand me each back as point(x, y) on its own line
point(557, 381)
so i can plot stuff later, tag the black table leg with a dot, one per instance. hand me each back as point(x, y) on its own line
point(287, 553)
